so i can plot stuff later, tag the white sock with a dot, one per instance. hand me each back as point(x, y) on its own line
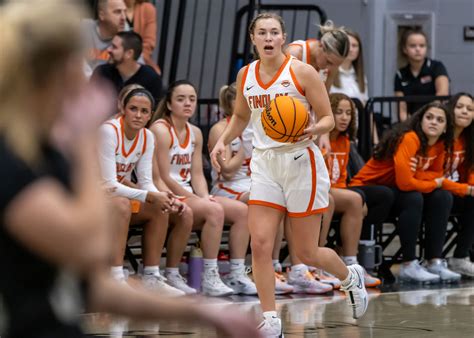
point(348, 279)
point(270, 315)
point(299, 269)
point(117, 272)
point(349, 260)
point(237, 264)
point(172, 271)
point(151, 270)
point(210, 263)
point(276, 265)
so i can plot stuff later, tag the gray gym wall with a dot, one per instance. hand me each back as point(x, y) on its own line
point(371, 18)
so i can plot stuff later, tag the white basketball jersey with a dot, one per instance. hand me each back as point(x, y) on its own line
point(306, 56)
point(259, 95)
point(180, 155)
point(243, 173)
point(128, 152)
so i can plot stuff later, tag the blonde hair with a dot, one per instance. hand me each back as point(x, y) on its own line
point(227, 94)
point(334, 39)
point(38, 40)
point(124, 92)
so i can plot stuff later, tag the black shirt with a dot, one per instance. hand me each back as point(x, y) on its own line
point(423, 84)
point(145, 76)
point(33, 292)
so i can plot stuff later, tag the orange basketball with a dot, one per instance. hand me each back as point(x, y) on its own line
point(284, 119)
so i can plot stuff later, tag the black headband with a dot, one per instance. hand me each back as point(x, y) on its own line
point(139, 92)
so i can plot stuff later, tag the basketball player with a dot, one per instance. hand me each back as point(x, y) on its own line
point(281, 172)
point(326, 54)
point(127, 146)
point(179, 157)
point(54, 221)
point(234, 179)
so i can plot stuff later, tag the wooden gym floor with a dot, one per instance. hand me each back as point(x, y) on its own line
point(395, 310)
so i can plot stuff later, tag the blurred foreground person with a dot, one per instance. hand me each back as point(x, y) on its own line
point(53, 218)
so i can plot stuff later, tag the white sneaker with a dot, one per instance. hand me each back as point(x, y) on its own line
point(326, 278)
point(271, 328)
point(304, 282)
point(281, 285)
point(356, 295)
point(464, 266)
point(440, 267)
point(158, 284)
point(414, 272)
point(179, 282)
point(239, 281)
point(212, 284)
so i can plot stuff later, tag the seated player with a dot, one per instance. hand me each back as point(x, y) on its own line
point(179, 157)
point(126, 146)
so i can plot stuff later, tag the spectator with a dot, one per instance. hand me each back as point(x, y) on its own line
point(123, 68)
point(355, 205)
point(350, 77)
point(460, 170)
point(99, 33)
point(141, 18)
point(418, 196)
point(421, 75)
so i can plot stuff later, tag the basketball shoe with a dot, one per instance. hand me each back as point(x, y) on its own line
point(212, 284)
point(371, 281)
point(325, 277)
point(464, 266)
point(239, 281)
point(354, 288)
point(440, 267)
point(271, 328)
point(179, 282)
point(304, 282)
point(415, 273)
point(281, 285)
point(157, 283)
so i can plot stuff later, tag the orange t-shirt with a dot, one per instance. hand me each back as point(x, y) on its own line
point(458, 176)
point(397, 170)
point(337, 160)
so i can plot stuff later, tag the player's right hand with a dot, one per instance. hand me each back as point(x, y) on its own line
point(161, 199)
point(217, 152)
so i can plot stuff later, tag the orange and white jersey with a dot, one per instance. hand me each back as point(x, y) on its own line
point(119, 156)
point(258, 95)
point(306, 56)
point(243, 173)
point(181, 155)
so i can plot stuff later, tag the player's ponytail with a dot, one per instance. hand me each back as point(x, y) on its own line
point(334, 39)
point(227, 95)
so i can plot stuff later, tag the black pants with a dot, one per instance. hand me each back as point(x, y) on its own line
point(464, 206)
point(411, 207)
point(379, 200)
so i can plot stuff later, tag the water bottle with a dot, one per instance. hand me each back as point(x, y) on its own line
point(183, 266)
point(223, 263)
point(195, 268)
